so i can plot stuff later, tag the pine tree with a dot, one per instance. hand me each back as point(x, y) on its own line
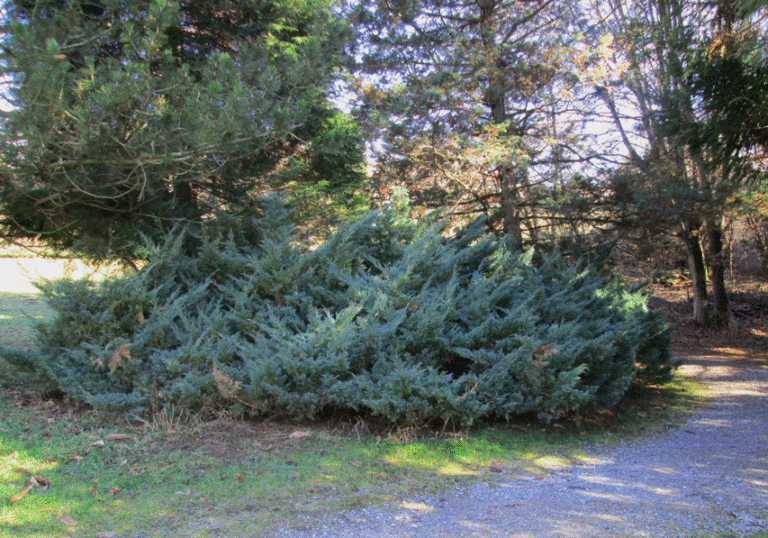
point(132, 117)
point(474, 105)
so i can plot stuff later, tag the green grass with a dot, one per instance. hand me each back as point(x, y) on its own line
point(242, 478)
point(18, 314)
point(21, 306)
point(171, 476)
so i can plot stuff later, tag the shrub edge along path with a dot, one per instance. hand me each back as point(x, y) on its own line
point(707, 478)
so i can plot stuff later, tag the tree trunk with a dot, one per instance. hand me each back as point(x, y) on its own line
point(759, 229)
point(496, 101)
point(509, 205)
point(698, 269)
point(717, 261)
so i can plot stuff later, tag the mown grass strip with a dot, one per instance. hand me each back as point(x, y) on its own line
point(108, 478)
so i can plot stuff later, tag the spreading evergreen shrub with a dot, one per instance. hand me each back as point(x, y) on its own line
point(387, 318)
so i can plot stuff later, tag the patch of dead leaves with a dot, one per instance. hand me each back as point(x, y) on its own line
point(120, 357)
point(32, 482)
point(228, 387)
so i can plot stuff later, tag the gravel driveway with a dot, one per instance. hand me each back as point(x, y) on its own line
point(708, 478)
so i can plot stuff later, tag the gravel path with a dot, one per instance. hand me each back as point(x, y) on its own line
point(708, 478)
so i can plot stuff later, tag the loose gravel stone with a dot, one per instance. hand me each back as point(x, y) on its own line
point(708, 478)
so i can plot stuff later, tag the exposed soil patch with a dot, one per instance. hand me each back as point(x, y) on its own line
point(230, 441)
point(748, 296)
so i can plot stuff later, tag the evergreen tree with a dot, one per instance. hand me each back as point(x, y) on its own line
point(729, 71)
point(131, 117)
point(730, 76)
point(474, 105)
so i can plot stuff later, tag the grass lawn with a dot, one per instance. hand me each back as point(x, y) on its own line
point(101, 477)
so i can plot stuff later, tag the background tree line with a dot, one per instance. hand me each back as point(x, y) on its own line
point(494, 107)
point(568, 125)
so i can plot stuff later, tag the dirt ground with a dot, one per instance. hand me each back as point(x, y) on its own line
point(748, 335)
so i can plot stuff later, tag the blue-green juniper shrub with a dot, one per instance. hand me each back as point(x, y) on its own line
point(388, 318)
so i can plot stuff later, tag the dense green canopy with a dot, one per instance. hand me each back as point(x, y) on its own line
point(132, 117)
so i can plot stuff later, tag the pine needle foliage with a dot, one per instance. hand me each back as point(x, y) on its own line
point(389, 318)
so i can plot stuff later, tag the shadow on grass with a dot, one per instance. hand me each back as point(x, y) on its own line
point(243, 478)
point(18, 314)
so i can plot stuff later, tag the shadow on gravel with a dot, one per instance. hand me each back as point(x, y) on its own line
point(708, 478)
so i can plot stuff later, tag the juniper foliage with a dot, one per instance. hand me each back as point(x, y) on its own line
point(388, 318)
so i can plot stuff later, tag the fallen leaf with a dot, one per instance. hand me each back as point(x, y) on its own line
point(114, 491)
point(299, 435)
point(16, 498)
point(43, 482)
point(118, 437)
point(66, 520)
point(31, 483)
point(110, 534)
point(356, 463)
point(22, 470)
point(239, 476)
point(100, 442)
